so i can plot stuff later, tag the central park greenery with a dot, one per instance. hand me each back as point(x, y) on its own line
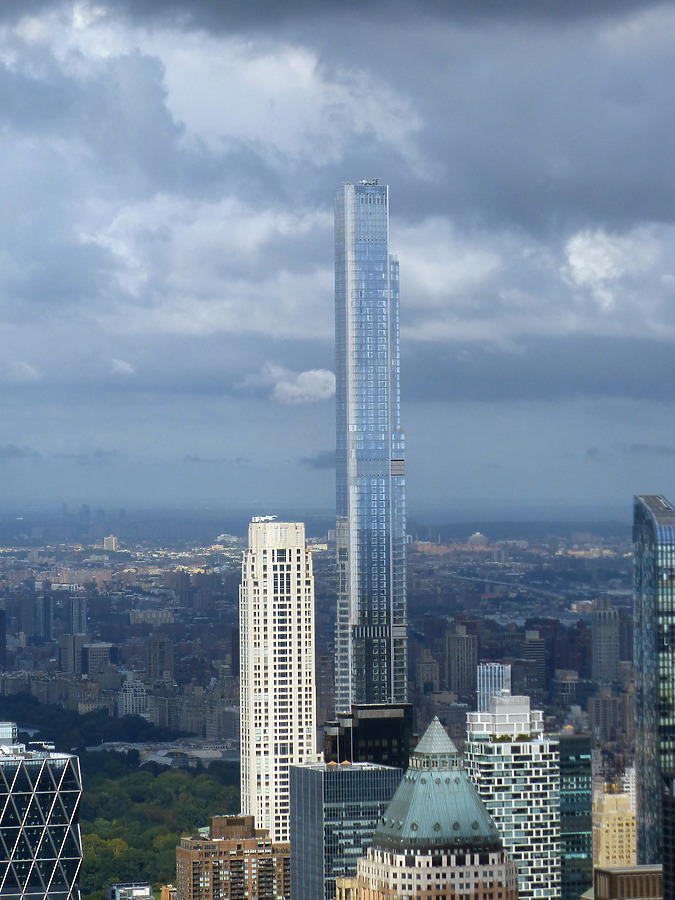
point(132, 818)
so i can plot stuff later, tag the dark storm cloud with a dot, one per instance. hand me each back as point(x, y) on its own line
point(647, 450)
point(239, 461)
point(95, 457)
point(323, 460)
point(541, 369)
point(166, 243)
point(12, 451)
point(635, 451)
point(263, 13)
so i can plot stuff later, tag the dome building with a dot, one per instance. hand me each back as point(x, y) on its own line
point(436, 841)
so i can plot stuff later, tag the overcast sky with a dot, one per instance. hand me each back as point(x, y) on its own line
point(166, 251)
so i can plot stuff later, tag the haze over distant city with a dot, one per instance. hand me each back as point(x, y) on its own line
point(166, 252)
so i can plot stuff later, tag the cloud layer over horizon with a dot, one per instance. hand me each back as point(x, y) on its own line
point(166, 245)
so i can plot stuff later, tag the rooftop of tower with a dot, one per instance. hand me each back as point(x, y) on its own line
point(436, 806)
point(661, 512)
point(661, 509)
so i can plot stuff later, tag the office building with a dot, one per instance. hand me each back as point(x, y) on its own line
point(70, 652)
point(516, 770)
point(160, 658)
point(132, 699)
point(334, 812)
point(380, 733)
point(627, 883)
point(605, 642)
point(534, 650)
point(614, 830)
point(427, 672)
point(576, 813)
point(277, 687)
point(654, 662)
point(669, 838)
point(129, 890)
point(96, 657)
point(461, 663)
point(3, 639)
point(237, 861)
point(36, 617)
point(40, 843)
point(77, 614)
point(494, 679)
point(436, 838)
point(605, 715)
point(370, 641)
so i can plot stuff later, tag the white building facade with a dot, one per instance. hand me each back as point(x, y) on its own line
point(278, 687)
point(517, 773)
point(132, 699)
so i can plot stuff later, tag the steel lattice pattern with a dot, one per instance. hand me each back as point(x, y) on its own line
point(40, 844)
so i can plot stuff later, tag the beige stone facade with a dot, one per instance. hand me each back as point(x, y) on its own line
point(614, 831)
point(446, 876)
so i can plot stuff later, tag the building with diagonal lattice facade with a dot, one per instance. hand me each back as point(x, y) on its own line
point(40, 843)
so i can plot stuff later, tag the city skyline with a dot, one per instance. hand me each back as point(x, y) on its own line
point(165, 280)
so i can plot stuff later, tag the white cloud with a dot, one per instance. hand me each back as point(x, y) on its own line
point(277, 99)
point(24, 372)
point(197, 267)
point(291, 388)
point(122, 367)
point(598, 261)
point(442, 265)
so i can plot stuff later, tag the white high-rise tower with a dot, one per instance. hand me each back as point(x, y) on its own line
point(278, 690)
point(516, 770)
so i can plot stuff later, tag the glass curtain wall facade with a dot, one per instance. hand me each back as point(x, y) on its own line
point(334, 813)
point(576, 814)
point(654, 660)
point(493, 680)
point(371, 644)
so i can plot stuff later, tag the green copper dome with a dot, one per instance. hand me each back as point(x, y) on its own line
point(436, 806)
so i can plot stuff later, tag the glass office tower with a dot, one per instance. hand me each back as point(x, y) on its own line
point(654, 660)
point(576, 814)
point(334, 813)
point(371, 645)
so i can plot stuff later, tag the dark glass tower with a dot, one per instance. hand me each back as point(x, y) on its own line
point(334, 813)
point(371, 644)
point(576, 815)
point(654, 659)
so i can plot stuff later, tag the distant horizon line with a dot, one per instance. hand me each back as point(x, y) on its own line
point(452, 513)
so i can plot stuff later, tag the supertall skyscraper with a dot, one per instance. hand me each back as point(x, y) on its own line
point(371, 643)
point(278, 690)
point(654, 660)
